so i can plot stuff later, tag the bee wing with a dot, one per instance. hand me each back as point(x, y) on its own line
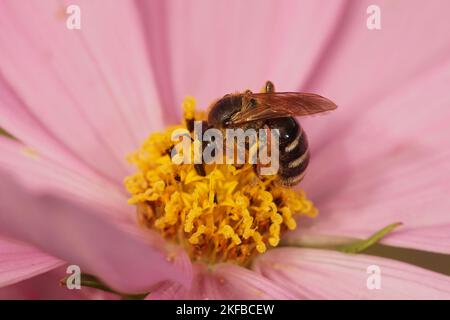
point(282, 104)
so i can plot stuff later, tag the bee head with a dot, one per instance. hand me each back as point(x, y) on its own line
point(221, 111)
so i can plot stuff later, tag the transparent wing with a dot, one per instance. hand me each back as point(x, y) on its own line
point(282, 104)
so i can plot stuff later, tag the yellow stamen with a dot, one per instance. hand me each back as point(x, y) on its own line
point(230, 214)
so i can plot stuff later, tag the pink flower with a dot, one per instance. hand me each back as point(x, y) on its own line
point(79, 100)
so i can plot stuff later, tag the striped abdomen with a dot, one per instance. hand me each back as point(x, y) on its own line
point(294, 153)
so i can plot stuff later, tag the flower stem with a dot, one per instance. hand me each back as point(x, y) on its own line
point(361, 245)
point(91, 281)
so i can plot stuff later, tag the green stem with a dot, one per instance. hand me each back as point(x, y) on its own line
point(91, 281)
point(361, 245)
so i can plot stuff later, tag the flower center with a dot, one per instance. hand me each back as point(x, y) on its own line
point(230, 214)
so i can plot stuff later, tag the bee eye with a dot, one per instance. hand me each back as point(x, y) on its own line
point(252, 103)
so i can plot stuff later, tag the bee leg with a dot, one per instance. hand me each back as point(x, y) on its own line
point(270, 87)
point(200, 169)
point(255, 169)
point(190, 125)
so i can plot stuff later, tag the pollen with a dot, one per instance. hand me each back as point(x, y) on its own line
point(230, 214)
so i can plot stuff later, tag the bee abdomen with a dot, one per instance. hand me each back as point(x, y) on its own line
point(295, 168)
point(295, 149)
point(294, 160)
point(294, 154)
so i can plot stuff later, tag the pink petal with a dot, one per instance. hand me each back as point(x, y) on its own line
point(223, 281)
point(171, 290)
point(361, 65)
point(168, 291)
point(210, 48)
point(47, 287)
point(80, 231)
point(229, 281)
point(88, 91)
point(322, 274)
point(19, 262)
point(388, 163)
point(22, 124)
point(45, 176)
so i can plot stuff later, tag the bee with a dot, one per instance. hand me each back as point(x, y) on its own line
point(272, 110)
